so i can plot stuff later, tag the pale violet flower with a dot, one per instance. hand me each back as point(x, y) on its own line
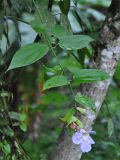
point(83, 139)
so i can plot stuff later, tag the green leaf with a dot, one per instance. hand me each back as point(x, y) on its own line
point(58, 31)
point(68, 116)
point(84, 19)
point(28, 55)
point(81, 110)
point(110, 127)
point(67, 62)
point(79, 123)
point(55, 81)
point(64, 6)
point(100, 3)
point(17, 116)
point(23, 127)
point(40, 28)
point(74, 42)
point(8, 131)
point(88, 75)
point(85, 101)
point(54, 70)
point(72, 119)
point(22, 117)
point(14, 115)
point(6, 147)
point(4, 94)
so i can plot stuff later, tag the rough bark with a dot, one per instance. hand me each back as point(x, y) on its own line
point(107, 54)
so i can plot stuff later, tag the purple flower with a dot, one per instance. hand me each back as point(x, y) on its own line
point(83, 139)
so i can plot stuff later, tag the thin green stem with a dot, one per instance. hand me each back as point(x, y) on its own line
point(76, 58)
point(53, 51)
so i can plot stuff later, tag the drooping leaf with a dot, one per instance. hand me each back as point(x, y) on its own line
point(88, 75)
point(74, 42)
point(28, 55)
point(55, 81)
point(110, 126)
point(85, 101)
point(84, 19)
point(50, 3)
point(64, 6)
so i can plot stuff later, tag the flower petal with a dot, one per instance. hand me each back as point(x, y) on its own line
point(82, 131)
point(92, 132)
point(77, 138)
point(90, 140)
point(85, 147)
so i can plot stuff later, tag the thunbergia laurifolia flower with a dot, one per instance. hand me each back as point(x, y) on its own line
point(83, 139)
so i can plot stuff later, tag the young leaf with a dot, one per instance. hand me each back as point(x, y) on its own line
point(81, 110)
point(110, 127)
point(55, 81)
point(72, 119)
point(79, 123)
point(74, 42)
point(28, 55)
point(88, 75)
point(68, 116)
point(85, 101)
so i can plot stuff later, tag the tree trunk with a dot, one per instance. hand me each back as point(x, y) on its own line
point(106, 56)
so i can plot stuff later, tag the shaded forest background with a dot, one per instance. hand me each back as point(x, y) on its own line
point(35, 114)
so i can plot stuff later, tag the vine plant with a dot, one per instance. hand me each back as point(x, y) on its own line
point(52, 38)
